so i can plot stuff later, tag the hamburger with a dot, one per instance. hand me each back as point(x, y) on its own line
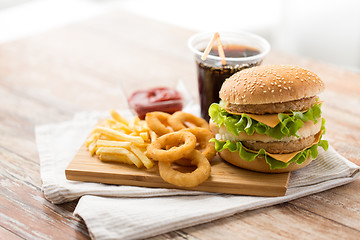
point(269, 118)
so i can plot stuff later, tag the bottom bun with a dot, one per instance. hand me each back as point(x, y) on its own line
point(258, 164)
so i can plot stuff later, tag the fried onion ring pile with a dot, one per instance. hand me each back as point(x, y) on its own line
point(185, 146)
point(158, 122)
point(198, 176)
point(172, 146)
point(181, 120)
point(203, 145)
point(203, 136)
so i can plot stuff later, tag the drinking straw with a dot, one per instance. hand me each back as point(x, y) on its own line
point(209, 46)
point(216, 37)
point(221, 51)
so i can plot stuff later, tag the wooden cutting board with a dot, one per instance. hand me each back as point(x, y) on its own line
point(224, 178)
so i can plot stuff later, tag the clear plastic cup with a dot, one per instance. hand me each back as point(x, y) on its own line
point(211, 73)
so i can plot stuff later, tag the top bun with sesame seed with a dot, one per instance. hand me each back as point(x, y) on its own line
point(271, 89)
point(269, 118)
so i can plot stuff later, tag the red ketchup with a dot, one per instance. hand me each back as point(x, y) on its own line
point(156, 99)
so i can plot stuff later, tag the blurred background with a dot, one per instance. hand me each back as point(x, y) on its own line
point(327, 31)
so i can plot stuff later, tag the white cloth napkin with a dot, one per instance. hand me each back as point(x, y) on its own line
point(127, 212)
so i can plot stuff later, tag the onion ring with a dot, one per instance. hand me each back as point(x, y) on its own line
point(158, 122)
point(198, 176)
point(203, 137)
point(172, 146)
point(179, 119)
point(207, 148)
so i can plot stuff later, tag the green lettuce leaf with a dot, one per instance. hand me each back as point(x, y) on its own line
point(273, 163)
point(288, 126)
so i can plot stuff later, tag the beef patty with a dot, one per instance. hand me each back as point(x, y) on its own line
point(269, 108)
point(280, 147)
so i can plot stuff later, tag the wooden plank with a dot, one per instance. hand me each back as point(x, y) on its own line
point(24, 210)
point(278, 222)
point(48, 77)
point(224, 177)
point(340, 204)
point(7, 234)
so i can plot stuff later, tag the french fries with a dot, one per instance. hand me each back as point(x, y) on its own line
point(117, 135)
point(117, 117)
point(120, 151)
point(140, 154)
point(120, 140)
point(115, 158)
point(109, 143)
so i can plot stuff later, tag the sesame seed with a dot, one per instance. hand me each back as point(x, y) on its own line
point(279, 85)
point(264, 91)
point(272, 90)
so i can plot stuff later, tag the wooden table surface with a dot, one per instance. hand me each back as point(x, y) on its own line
point(48, 77)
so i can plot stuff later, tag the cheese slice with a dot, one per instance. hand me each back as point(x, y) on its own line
point(288, 156)
point(269, 119)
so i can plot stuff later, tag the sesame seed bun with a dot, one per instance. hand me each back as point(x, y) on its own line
point(270, 84)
